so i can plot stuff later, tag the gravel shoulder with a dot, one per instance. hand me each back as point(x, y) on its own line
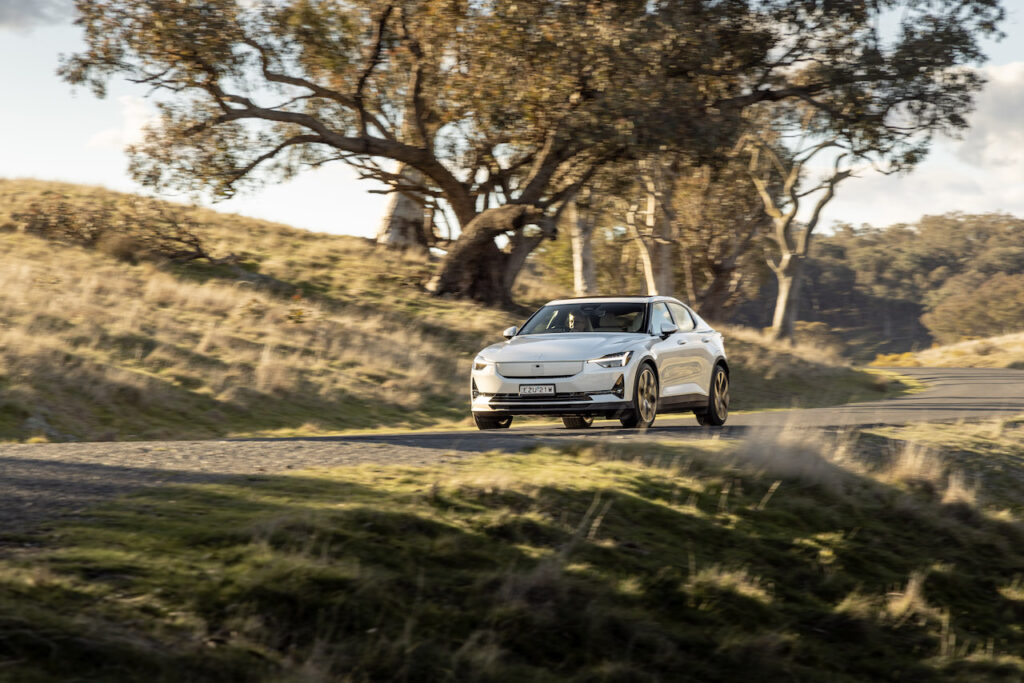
point(42, 481)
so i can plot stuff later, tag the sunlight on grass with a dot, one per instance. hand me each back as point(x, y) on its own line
point(551, 565)
point(307, 334)
point(1005, 351)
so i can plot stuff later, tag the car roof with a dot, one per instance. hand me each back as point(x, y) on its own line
point(610, 299)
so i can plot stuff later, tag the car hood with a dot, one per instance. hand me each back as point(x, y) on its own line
point(560, 346)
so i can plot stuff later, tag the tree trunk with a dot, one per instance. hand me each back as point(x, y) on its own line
point(789, 274)
point(647, 266)
point(475, 268)
point(664, 268)
point(581, 233)
point(717, 295)
point(404, 225)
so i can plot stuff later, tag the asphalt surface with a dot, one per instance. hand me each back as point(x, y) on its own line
point(952, 394)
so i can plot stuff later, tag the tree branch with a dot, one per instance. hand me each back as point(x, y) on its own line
point(372, 62)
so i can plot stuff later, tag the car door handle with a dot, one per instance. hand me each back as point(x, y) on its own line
point(705, 339)
point(680, 342)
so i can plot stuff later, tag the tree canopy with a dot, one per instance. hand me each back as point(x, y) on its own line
point(519, 103)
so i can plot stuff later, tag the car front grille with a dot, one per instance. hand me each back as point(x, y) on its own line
point(516, 398)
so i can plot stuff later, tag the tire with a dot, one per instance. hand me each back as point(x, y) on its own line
point(645, 399)
point(717, 411)
point(577, 421)
point(487, 422)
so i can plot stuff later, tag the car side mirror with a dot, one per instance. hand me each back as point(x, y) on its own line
point(510, 332)
point(668, 329)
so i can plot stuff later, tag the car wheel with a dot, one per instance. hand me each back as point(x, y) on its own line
point(718, 400)
point(577, 421)
point(487, 422)
point(645, 400)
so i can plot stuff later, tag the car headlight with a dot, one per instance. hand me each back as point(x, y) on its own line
point(613, 360)
point(481, 363)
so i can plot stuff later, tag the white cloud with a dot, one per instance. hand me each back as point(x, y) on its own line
point(24, 14)
point(981, 173)
point(996, 137)
point(136, 114)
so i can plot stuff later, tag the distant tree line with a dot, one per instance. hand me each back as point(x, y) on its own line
point(941, 279)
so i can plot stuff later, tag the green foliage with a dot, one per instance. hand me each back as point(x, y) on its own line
point(972, 305)
point(616, 260)
point(895, 289)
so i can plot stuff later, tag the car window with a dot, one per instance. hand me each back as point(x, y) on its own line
point(587, 317)
point(682, 316)
point(659, 315)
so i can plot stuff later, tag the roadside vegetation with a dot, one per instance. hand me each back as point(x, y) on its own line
point(908, 286)
point(801, 555)
point(1006, 351)
point(277, 331)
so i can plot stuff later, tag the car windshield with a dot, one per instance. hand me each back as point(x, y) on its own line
point(587, 317)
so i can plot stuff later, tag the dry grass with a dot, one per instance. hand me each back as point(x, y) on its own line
point(1006, 351)
point(796, 375)
point(807, 456)
point(910, 601)
point(93, 347)
point(308, 331)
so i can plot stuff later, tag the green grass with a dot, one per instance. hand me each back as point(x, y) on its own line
point(796, 555)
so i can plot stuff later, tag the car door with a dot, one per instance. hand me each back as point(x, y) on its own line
point(668, 353)
point(695, 360)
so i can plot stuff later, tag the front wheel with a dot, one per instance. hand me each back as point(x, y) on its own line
point(645, 400)
point(718, 400)
point(488, 422)
point(577, 421)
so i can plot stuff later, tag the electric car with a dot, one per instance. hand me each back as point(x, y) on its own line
point(626, 358)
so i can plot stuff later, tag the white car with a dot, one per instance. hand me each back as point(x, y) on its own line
point(610, 357)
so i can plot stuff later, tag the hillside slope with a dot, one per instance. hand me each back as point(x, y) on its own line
point(1005, 351)
point(308, 333)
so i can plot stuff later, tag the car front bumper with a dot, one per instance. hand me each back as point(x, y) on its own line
point(594, 391)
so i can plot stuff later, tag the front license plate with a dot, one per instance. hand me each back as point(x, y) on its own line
point(536, 389)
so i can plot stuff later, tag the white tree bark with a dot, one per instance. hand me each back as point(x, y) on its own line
point(403, 224)
point(581, 232)
point(644, 241)
point(656, 239)
point(790, 278)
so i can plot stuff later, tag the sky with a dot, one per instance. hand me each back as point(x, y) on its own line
point(50, 131)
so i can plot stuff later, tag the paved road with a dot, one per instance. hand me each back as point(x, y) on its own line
point(952, 394)
point(42, 481)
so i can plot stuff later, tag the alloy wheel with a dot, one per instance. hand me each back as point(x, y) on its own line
point(647, 396)
point(721, 395)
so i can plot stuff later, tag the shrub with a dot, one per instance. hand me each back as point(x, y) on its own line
point(132, 230)
point(977, 307)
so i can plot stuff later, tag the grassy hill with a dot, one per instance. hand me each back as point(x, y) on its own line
point(1005, 351)
point(297, 333)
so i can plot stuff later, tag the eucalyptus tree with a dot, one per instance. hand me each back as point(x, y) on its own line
point(504, 109)
point(871, 98)
point(721, 227)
